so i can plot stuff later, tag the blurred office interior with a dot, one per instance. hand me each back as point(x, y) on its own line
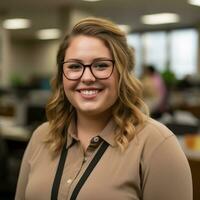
point(28, 62)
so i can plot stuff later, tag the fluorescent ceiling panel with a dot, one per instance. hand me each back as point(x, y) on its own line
point(17, 23)
point(160, 18)
point(194, 2)
point(48, 34)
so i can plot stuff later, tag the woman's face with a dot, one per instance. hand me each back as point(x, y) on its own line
point(89, 95)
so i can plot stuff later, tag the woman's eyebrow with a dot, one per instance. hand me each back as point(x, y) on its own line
point(102, 58)
point(73, 59)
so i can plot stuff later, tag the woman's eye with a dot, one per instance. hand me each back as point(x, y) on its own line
point(74, 66)
point(101, 65)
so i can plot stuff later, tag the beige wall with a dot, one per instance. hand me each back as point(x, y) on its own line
point(33, 57)
point(23, 59)
point(5, 46)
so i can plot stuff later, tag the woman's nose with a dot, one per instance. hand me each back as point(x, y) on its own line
point(87, 75)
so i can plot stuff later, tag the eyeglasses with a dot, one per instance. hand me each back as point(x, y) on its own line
point(100, 69)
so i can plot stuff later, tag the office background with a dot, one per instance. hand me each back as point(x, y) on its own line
point(28, 61)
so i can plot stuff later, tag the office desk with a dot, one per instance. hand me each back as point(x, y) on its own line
point(15, 137)
point(194, 162)
point(11, 131)
point(15, 133)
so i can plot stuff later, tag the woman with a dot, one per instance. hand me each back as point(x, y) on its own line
point(98, 142)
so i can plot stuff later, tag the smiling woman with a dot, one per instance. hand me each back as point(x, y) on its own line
point(99, 142)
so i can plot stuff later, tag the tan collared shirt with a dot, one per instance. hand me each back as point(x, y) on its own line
point(153, 167)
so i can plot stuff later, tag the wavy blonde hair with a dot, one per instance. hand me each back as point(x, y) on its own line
point(128, 112)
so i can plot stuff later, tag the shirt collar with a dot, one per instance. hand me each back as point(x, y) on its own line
point(72, 133)
point(107, 134)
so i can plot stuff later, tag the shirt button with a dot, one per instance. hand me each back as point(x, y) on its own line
point(85, 159)
point(69, 181)
point(96, 139)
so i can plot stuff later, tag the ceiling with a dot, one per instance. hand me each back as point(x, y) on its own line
point(55, 13)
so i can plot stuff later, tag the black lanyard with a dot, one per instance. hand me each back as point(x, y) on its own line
point(59, 172)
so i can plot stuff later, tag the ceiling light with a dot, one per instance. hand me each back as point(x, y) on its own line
point(125, 28)
point(160, 18)
point(194, 2)
point(48, 34)
point(17, 23)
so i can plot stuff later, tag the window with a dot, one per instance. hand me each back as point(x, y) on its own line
point(183, 52)
point(176, 48)
point(155, 49)
point(134, 40)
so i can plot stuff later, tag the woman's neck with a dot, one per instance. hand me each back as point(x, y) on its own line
point(90, 126)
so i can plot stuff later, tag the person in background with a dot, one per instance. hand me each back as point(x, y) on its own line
point(99, 142)
point(155, 91)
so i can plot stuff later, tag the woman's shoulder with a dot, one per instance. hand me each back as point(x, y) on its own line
point(40, 133)
point(161, 157)
point(153, 135)
point(36, 144)
point(153, 128)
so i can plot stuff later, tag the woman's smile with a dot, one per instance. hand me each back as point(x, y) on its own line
point(89, 93)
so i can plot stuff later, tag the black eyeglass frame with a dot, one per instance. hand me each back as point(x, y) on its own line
point(90, 67)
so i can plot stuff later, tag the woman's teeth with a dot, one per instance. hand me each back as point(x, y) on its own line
point(89, 92)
